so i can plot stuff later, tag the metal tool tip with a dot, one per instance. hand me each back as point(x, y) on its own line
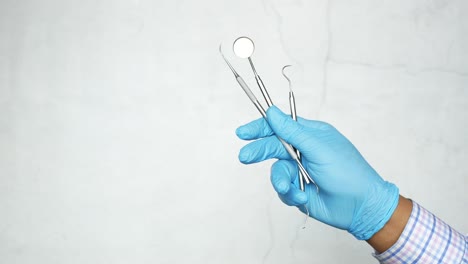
point(285, 76)
point(227, 62)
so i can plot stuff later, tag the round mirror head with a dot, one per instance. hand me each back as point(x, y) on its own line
point(243, 47)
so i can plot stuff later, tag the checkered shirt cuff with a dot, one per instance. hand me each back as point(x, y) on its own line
point(427, 239)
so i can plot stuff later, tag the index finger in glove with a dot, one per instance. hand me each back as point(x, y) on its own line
point(256, 129)
point(260, 128)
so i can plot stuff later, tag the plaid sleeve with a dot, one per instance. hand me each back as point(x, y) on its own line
point(427, 239)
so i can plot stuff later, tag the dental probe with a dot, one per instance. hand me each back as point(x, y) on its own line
point(259, 107)
point(292, 107)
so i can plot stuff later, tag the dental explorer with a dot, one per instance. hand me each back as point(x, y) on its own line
point(259, 107)
point(292, 107)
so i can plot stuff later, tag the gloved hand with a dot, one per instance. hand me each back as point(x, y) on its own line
point(352, 195)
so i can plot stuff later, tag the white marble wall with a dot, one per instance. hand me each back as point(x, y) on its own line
point(117, 123)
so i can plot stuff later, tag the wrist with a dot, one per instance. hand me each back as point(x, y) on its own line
point(389, 234)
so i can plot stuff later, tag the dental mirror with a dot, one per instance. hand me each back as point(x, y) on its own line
point(243, 47)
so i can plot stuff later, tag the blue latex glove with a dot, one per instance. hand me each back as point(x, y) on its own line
point(352, 195)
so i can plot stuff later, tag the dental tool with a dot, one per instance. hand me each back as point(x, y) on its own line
point(292, 107)
point(302, 177)
point(259, 107)
point(244, 47)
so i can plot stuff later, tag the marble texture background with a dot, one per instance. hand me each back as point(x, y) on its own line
point(117, 123)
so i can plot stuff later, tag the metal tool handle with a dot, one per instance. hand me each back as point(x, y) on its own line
point(263, 90)
point(292, 107)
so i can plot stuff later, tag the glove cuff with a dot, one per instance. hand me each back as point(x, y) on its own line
point(381, 202)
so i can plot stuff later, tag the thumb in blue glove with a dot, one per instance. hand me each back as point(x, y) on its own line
point(352, 195)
